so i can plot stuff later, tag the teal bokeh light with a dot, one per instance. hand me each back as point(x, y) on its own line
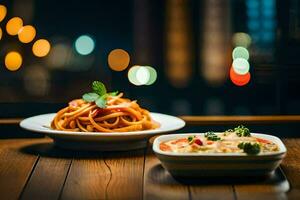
point(84, 45)
point(240, 52)
point(153, 75)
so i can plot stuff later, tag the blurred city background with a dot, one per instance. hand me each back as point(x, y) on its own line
point(182, 57)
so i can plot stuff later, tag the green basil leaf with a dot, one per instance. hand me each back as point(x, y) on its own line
point(101, 101)
point(99, 88)
point(113, 93)
point(90, 97)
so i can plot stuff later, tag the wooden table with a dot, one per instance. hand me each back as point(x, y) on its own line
point(35, 169)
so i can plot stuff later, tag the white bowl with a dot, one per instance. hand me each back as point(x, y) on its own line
point(218, 164)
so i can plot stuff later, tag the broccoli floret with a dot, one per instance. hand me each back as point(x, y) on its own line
point(211, 136)
point(249, 148)
point(242, 131)
point(227, 132)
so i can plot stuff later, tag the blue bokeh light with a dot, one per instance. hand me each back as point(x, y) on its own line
point(253, 13)
point(253, 25)
point(84, 45)
point(252, 4)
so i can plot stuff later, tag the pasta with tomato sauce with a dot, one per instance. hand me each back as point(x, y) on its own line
point(118, 115)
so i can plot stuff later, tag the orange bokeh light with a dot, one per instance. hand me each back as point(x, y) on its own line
point(118, 59)
point(41, 48)
point(26, 34)
point(3, 12)
point(13, 61)
point(14, 25)
point(239, 80)
point(0, 33)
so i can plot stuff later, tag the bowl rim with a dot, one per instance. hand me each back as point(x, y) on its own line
point(163, 138)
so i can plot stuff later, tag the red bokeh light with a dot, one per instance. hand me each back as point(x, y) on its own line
point(239, 80)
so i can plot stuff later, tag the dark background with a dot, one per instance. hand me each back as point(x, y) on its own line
point(143, 28)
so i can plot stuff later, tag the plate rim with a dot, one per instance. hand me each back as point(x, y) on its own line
point(23, 124)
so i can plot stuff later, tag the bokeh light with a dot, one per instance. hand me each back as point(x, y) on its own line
point(84, 45)
point(253, 13)
point(132, 75)
point(253, 24)
point(241, 66)
point(239, 80)
point(241, 39)
point(153, 75)
point(143, 75)
point(41, 48)
point(3, 12)
point(0, 33)
point(252, 4)
point(118, 59)
point(240, 52)
point(26, 34)
point(13, 61)
point(14, 25)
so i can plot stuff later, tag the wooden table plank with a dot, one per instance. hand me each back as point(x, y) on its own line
point(118, 175)
point(127, 168)
point(15, 166)
point(158, 183)
point(88, 177)
point(211, 191)
point(10, 121)
point(273, 187)
point(291, 166)
point(48, 177)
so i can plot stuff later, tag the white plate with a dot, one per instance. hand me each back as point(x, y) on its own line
point(218, 164)
point(99, 140)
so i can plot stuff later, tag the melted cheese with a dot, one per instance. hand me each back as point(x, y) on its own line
point(228, 144)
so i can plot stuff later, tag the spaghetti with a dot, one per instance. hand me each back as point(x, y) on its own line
point(119, 115)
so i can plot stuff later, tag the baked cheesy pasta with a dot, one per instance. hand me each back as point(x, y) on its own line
point(238, 140)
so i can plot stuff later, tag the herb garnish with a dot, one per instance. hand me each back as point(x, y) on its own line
point(242, 131)
point(211, 136)
point(227, 132)
point(191, 138)
point(249, 148)
point(99, 94)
